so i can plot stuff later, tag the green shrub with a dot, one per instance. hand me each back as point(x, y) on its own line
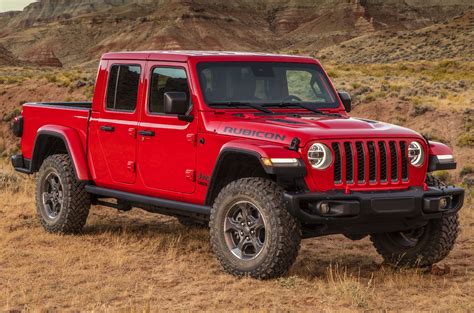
point(420, 109)
point(444, 176)
point(10, 116)
point(355, 85)
point(466, 170)
point(466, 139)
point(51, 78)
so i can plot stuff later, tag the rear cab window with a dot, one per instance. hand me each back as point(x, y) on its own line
point(122, 87)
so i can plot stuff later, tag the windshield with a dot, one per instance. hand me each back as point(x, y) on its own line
point(269, 84)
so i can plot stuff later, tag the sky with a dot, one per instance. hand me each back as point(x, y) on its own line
point(14, 5)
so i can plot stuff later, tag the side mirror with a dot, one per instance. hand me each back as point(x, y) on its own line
point(346, 101)
point(176, 103)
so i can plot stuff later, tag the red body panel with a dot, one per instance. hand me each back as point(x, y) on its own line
point(438, 148)
point(69, 124)
point(174, 163)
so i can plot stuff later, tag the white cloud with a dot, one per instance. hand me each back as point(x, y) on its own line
point(14, 5)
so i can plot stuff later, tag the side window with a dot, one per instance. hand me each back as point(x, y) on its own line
point(122, 88)
point(165, 79)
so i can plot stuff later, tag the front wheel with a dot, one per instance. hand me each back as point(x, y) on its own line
point(251, 231)
point(419, 247)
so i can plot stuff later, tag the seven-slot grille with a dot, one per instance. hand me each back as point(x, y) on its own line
point(378, 161)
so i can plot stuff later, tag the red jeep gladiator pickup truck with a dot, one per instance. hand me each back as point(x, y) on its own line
point(258, 146)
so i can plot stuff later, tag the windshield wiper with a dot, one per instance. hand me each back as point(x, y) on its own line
point(239, 103)
point(304, 106)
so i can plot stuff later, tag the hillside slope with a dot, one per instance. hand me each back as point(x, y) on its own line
point(78, 32)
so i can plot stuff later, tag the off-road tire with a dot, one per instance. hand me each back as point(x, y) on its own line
point(437, 240)
point(282, 230)
point(434, 245)
point(76, 201)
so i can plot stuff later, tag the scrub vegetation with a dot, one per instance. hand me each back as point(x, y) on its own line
point(138, 261)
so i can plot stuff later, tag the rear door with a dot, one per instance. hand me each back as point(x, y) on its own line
point(115, 125)
point(166, 145)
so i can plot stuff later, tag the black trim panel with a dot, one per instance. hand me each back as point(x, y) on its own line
point(436, 165)
point(63, 105)
point(36, 150)
point(17, 126)
point(180, 207)
point(21, 164)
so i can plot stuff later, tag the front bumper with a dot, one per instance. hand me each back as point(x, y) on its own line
point(359, 213)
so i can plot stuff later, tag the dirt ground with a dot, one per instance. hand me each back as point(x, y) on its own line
point(138, 261)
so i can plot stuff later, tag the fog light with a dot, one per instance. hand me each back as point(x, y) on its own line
point(324, 208)
point(443, 203)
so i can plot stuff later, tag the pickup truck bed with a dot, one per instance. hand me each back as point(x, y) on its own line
point(40, 115)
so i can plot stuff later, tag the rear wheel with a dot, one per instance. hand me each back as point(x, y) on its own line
point(62, 204)
point(251, 231)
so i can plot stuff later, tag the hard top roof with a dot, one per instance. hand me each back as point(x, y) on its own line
point(185, 55)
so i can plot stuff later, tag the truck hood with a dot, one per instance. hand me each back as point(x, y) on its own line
point(282, 128)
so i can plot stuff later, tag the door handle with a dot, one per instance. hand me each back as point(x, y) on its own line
point(107, 128)
point(148, 133)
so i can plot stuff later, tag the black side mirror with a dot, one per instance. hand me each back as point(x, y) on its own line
point(176, 103)
point(346, 100)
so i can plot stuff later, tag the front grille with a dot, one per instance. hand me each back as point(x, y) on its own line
point(360, 162)
point(370, 162)
point(337, 163)
point(383, 161)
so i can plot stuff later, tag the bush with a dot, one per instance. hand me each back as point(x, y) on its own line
point(466, 139)
point(444, 176)
point(466, 170)
point(10, 116)
point(420, 109)
point(9, 181)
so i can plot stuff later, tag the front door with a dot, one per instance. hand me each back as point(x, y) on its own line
point(166, 145)
point(116, 124)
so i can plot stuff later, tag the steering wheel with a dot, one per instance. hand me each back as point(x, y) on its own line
point(291, 98)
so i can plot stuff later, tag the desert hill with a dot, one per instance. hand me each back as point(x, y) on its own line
point(7, 58)
point(78, 32)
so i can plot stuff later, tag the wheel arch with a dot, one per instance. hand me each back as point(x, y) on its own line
point(51, 139)
point(242, 159)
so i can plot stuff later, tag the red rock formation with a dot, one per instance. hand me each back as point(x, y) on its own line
point(45, 57)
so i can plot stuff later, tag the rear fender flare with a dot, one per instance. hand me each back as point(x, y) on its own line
point(73, 144)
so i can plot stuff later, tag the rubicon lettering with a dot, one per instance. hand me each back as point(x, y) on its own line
point(254, 133)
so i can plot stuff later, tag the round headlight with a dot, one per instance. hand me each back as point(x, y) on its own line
point(415, 153)
point(319, 156)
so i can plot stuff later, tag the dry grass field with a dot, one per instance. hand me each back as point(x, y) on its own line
point(138, 262)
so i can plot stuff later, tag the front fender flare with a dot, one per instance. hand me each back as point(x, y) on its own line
point(258, 150)
point(74, 146)
point(262, 150)
point(440, 157)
